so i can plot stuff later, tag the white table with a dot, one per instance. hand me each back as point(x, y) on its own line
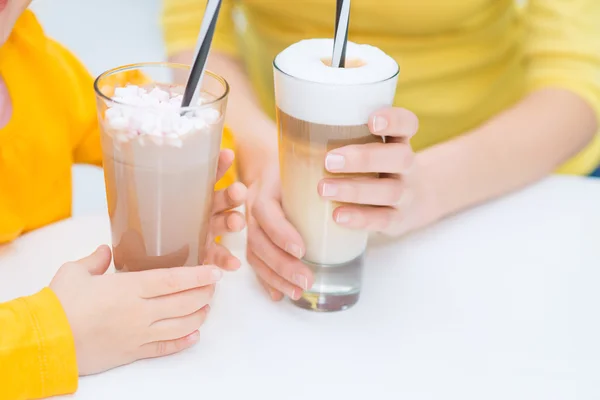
point(502, 302)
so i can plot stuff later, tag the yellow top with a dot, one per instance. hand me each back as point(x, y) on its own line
point(53, 125)
point(461, 62)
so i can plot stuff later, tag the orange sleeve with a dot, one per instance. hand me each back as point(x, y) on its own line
point(37, 350)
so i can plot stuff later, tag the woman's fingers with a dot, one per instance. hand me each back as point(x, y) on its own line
point(393, 158)
point(271, 278)
point(281, 263)
point(180, 304)
point(162, 282)
point(370, 218)
point(169, 329)
point(229, 198)
point(394, 122)
point(377, 192)
point(271, 219)
point(273, 293)
point(167, 347)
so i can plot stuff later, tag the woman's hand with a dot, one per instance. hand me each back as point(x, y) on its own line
point(393, 204)
point(274, 246)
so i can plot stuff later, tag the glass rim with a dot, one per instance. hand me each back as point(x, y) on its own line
point(336, 84)
point(165, 64)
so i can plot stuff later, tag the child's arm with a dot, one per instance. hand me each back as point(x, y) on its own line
point(37, 351)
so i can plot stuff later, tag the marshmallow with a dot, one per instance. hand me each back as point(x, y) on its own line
point(308, 89)
point(136, 112)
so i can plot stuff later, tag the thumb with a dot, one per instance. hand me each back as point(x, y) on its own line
point(97, 263)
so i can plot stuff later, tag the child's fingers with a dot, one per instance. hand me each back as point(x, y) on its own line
point(168, 329)
point(231, 197)
point(179, 304)
point(167, 347)
point(226, 222)
point(161, 282)
point(226, 157)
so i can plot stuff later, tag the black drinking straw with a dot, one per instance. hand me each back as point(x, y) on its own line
point(340, 41)
point(192, 88)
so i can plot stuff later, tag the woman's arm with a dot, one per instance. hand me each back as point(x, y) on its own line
point(540, 133)
point(514, 149)
point(255, 133)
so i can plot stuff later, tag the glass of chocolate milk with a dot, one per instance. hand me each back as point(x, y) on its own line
point(319, 109)
point(160, 163)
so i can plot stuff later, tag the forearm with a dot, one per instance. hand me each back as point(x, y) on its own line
point(255, 133)
point(516, 148)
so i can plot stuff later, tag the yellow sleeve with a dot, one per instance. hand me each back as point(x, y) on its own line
point(181, 20)
point(37, 350)
point(81, 108)
point(563, 47)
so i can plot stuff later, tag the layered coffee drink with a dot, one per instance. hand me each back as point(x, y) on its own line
point(319, 109)
point(160, 170)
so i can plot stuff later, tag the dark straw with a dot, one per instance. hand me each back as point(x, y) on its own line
point(342, 21)
point(192, 88)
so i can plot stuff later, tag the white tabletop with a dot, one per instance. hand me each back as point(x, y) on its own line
point(501, 302)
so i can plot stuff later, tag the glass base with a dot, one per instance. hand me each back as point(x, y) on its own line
point(322, 302)
point(335, 288)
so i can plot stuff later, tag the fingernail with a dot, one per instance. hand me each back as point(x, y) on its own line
point(301, 281)
point(343, 217)
point(194, 336)
point(329, 190)
point(379, 123)
point(217, 274)
point(294, 250)
point(294, 295)
point(334, 162)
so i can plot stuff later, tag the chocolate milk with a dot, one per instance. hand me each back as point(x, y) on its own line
point(158, 200)
point(160, 170)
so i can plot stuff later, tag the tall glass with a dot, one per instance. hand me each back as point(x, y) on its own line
point(313, 119)
point(159, 183)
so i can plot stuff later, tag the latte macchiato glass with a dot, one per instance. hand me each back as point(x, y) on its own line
point(160, 163)
point(319, 109)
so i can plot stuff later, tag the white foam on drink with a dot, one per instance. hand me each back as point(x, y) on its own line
point(308, 89)
point(137, 112)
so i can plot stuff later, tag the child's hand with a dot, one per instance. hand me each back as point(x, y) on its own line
point(119, 318)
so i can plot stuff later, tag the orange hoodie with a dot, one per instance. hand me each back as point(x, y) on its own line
point(53, 126)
